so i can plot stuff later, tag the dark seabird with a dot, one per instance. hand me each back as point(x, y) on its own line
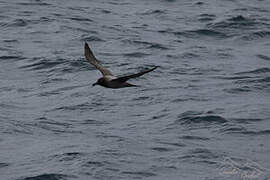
point(109, 80)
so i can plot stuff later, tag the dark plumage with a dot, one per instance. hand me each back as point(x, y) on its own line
point(109, 80)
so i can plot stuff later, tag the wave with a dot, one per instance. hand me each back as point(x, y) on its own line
point(11, 57)
point(254, 80)
point(244, 131)
point(161, 116)
point(191, 117)
point(250, 85)
point(80, 19)
point(262, 132)
point(10, 40)
point(148, 45)
point(69, 156)
point(246, 120)
point(234, 22)
point(40, 64)
point(139, 174)
point(50, 125)
point(36, 3)
point(82, 106)
point(48, 177)
point(208, 32)
point(93, 122)
point(256, 35)
point(204, 119)
point(136, 54)
point(157, 46)
point(233, 77)
point(200, 155)
point(190, 55)
point(15, 23)
point(238, 90)
point(240, 27)
point(175, 144)
point(264, 57)
point(2, 165)
point(206, 17)
point(153, 12)
point(24, 22)
point(95, 164)
point(187, 137)
point(199, 3)
point(245, 81)
point(161, 149)
point(202, 32)
point(203, 153)
point(256, 71)
point(229, 130)
point(92, 38)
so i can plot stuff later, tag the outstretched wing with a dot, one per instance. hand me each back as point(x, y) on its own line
point(92, 59)
point(125, 78)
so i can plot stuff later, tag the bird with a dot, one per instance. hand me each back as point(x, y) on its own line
point(109, 80)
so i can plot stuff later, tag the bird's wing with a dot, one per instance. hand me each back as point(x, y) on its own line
point(92, 59)
point(125, 78)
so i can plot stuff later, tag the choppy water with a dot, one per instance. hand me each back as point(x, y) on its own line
point(204, 114)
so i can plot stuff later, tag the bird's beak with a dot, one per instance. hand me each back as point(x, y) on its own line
point(94, 84)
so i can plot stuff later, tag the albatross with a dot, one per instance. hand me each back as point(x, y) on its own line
point(109, 80)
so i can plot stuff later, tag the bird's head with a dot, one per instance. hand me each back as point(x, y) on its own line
point(100, 82)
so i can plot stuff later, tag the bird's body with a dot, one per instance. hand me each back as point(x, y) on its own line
point(109, 80)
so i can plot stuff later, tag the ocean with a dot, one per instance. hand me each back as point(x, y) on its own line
point(202, 115)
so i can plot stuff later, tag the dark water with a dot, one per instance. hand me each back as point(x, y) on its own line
point(204, 114)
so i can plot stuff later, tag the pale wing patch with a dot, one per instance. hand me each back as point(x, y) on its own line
point(109, 77)
point(92, 59)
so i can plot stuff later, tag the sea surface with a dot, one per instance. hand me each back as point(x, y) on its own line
point(204, 114)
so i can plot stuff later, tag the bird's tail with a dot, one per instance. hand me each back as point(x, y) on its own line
point(131, 85)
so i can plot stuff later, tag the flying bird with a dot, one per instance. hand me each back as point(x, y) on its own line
point(109, 80)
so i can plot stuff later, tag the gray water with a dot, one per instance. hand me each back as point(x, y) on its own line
point(203, 114)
